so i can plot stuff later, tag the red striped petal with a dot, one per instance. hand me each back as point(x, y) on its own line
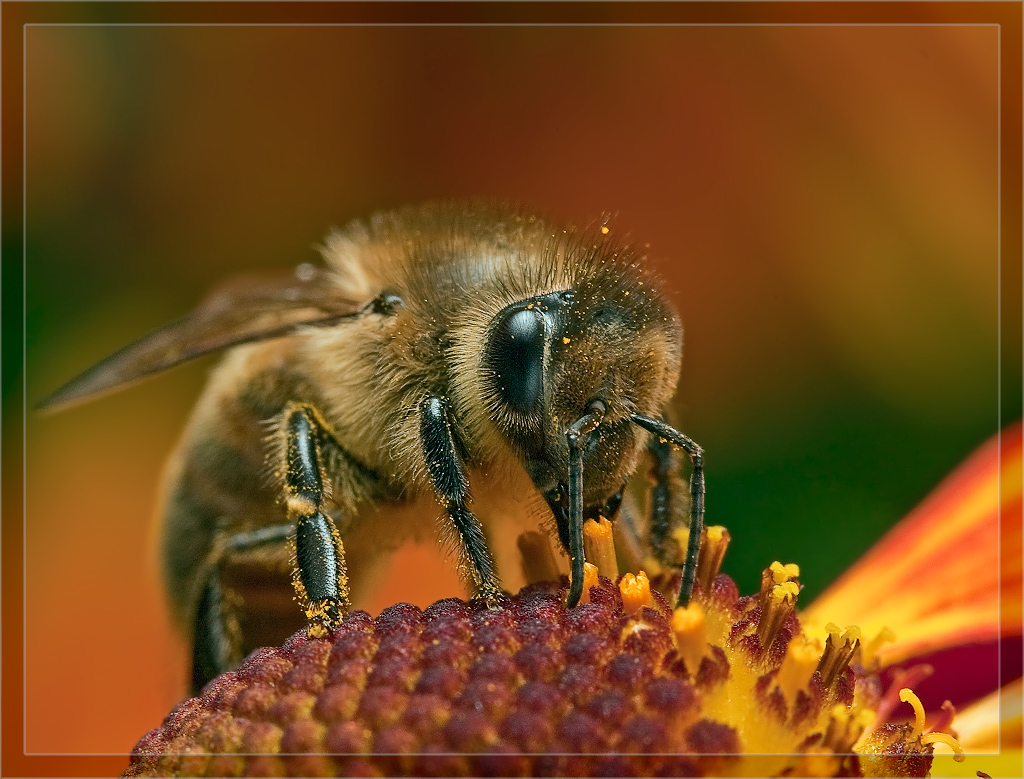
point(945, 574)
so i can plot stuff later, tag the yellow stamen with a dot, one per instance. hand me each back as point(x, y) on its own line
point(838, 652)
point(690, 635)
point(784, 573)
point(599, 547)
point(798, 667)
point(589, 580)
point(948, 740)
point(907, 696)
point(714, 542)
point(636, 592)
point(778, 603)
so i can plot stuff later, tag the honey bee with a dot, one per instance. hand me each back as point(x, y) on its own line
point(462, 359)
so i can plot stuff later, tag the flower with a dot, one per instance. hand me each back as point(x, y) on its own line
point(623, 684)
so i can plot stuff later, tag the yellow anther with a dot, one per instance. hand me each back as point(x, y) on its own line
point(784, 573)
point(604, 230)
point(907, 696)
point(784, 591)
point(690, 635)
point(636, 592)
point(566, 339)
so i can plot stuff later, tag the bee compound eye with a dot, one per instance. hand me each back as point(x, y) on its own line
point(515, 353)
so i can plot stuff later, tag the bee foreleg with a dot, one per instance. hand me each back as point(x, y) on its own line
point(320, 578)
point(674, 437)
point(451, 486)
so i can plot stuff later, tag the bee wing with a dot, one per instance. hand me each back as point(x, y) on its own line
point(245, 309)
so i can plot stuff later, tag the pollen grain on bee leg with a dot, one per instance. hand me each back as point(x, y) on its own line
point(321, 621)
point(300, 505)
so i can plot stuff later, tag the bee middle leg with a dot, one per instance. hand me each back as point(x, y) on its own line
point(452, 488)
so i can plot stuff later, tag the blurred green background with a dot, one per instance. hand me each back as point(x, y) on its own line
point(822, 201)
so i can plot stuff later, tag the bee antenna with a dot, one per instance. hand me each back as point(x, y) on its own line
point(674, 437)
point(577, 433)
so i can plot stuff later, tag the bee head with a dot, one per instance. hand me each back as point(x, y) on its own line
point(549, 359)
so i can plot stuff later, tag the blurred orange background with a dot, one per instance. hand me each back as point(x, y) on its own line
point(823, 201)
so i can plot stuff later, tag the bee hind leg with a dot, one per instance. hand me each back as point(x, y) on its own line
point(451, 486)
point(216, 639)
point(320, 578)
point(661, 497)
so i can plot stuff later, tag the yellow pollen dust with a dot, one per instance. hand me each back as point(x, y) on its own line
point(566, 340)
point(690, 634)
point(604, 230)
point(317, 616)
point(798, 667)
point(636, 592)
point(298, 504)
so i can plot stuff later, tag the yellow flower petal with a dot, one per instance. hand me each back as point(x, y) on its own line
point(937, 577)
point(992, 723)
